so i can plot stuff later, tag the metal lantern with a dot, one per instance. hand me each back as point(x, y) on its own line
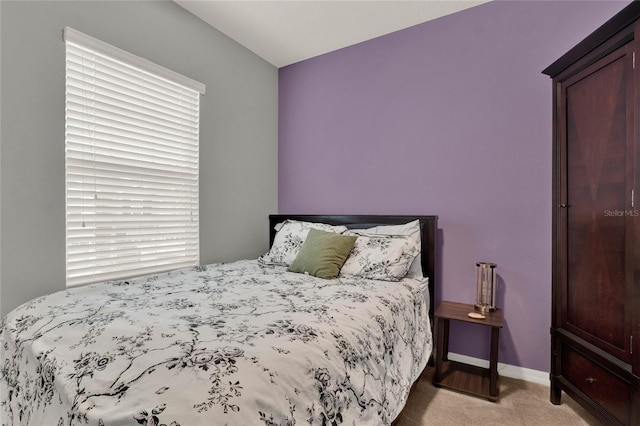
point(486, 283)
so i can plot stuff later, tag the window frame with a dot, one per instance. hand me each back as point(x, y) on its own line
point(132, 130)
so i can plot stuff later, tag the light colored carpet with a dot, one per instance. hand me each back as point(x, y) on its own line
point(520, 403)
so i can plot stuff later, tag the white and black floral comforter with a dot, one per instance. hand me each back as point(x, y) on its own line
point(231, 344)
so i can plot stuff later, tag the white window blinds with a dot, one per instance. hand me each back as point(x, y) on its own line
point(132, 131)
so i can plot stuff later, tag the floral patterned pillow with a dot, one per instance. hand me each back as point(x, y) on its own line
point(289, 238)
point(381, 257)
point(411, 229)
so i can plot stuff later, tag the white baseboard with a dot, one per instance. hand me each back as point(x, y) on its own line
point(506, 370)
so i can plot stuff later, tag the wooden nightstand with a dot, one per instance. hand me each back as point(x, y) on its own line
point(459, 376)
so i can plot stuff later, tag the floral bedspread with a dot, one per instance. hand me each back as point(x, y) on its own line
point(230, 344)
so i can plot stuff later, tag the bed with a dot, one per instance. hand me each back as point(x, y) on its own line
point(240, 343)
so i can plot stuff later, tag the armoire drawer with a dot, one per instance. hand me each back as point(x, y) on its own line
point(599, 384)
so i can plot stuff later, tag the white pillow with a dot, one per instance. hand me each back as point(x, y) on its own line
point(411, 229)
point(289, 239)
point(380, 257)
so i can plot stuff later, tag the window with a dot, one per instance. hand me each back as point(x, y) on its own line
point(131, 149)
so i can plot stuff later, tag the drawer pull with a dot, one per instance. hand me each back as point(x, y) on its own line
point(590, 380)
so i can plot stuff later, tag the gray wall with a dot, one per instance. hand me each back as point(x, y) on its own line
point(238, 131)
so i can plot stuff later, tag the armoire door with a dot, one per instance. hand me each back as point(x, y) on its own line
point(596, 214)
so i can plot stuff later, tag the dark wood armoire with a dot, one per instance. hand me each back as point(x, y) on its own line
point(595, 323)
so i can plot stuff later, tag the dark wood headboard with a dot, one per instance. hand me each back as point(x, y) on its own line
point(428, 227)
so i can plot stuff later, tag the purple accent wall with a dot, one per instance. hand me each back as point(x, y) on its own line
point(451, 117)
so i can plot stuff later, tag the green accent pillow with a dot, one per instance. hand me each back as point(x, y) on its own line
point(322, 254)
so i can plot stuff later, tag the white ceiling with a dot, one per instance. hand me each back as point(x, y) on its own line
point(288, 31)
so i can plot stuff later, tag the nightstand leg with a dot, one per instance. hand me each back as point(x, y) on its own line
point(439, 350)
point(493, 362)
point(445, 340)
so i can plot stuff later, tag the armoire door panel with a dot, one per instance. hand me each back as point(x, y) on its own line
point(597, 192)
